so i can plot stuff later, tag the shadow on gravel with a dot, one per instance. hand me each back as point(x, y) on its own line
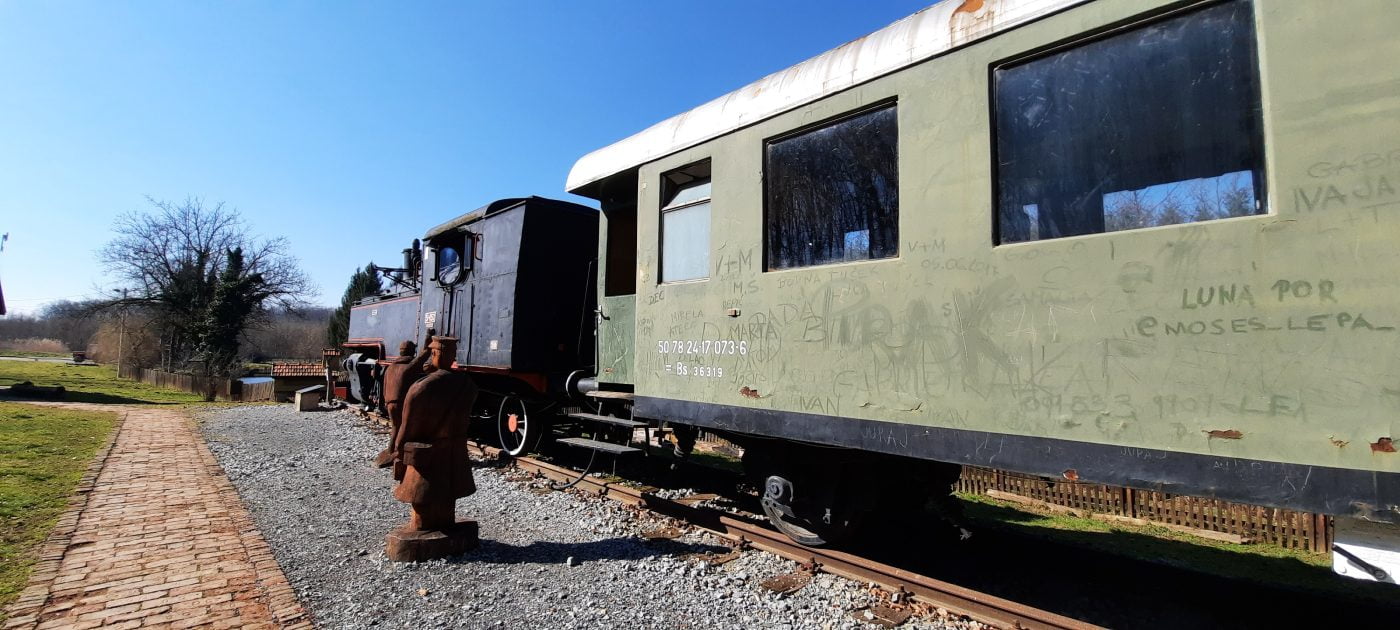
point(495, 552)
point(498, 462)
point(1079, 574)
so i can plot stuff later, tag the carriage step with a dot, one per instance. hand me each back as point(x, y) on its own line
point(603, 393)
point(606, 447)
point(613, 420)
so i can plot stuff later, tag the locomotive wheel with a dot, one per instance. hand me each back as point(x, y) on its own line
point(518, 432)
point(811, 525)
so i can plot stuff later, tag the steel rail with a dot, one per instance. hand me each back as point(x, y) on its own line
point(982, 607)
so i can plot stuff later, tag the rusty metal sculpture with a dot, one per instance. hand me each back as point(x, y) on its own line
point(399, 375)
point(432, 464)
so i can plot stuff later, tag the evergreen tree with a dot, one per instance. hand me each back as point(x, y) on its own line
point(236, 296)
point(364, 282)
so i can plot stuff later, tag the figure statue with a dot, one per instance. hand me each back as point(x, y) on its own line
point(432, 464)
point(399, 375)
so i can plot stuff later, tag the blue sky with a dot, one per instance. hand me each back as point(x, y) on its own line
point(347, 127)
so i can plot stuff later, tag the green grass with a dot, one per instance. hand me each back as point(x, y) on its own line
point(91, 383)
point(697, 457)
point(1259, 562)
point(43, 453)
point(40, 355)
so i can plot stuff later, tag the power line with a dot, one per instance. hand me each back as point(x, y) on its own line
point(84, 296)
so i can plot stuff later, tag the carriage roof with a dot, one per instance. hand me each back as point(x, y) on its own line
point(926, 34)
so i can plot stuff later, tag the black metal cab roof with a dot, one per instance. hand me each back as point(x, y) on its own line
point(501, 205)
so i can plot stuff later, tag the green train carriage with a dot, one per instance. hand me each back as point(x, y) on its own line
point(1149, 244)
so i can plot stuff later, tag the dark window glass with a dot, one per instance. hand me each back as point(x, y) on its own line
point(832, 193)
point(1155, 126)
point(618, 197)
point(449, 265)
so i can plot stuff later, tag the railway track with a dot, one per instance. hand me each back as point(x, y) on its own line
point(988, 609)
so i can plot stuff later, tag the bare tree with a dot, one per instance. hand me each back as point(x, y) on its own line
point(1230, 195)
point(298, 336)
point(172, 259)
point(1171, 212)
point(129, 340)
point(72, 323)
point(1128, 211)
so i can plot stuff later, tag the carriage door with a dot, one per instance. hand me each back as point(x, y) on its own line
point(618, 280)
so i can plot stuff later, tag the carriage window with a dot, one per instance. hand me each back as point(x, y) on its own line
point(832, 193)
point(685, 223)
point(1156, 126)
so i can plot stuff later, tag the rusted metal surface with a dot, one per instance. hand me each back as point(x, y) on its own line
point(697, 498)
point(431, 463)
point(712, 558)
point(985, 608)
point(662, 533)
point(988, 609)
point(787, 583)
point(882, 615)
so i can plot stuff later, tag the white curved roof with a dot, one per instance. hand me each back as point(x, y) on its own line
point(925, 34)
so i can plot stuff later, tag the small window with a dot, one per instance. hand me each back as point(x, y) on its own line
point(685, 223)
point(832, 193)
point(455, 253)
point(449, 264)
point(1155, 126)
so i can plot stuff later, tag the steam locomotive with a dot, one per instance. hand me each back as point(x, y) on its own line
point(514, 280)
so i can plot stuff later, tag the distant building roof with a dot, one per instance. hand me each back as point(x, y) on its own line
point(297, 369)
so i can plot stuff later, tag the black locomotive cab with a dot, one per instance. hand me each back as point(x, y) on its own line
point(513, 280)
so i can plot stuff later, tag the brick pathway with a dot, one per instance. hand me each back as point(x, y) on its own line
point(157, 537)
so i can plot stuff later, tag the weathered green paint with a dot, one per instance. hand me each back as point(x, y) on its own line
point(615, 339)
point(1097, 338)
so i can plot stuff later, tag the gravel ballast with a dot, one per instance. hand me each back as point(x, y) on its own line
point(546, 560)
